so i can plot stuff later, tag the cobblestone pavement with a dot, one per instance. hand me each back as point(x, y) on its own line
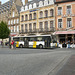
point(68, 68)
point(22, 61)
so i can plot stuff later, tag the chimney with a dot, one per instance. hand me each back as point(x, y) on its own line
point(26, 1)
point(0, 2)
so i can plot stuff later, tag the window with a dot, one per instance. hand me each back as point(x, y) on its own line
point(14, 21)
point(33, 39)
point(13, 15)
point(41, 14)
point(41, 25)
point(39, 39)
point(59, 23)
point(69, 22)
point(25, 27)
point(68, 10)
point(11, 28)
point(59, 10)
point(11, 21)
point(21, 39)
point(22, 27)
point(34, 26)
point(22, 18)
point(34, 5)
point(17, 28)
point(34, 15)
point(8, 22)
point(30, 27)
point(17, 20)
point(46, 25)
point(51, 12)
point(51, 24)
point(46, 13)
point(14, 28)
point(30, 16)
point(26, 17)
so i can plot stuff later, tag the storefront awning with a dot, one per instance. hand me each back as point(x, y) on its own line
point(64, 32)
point(13, 34)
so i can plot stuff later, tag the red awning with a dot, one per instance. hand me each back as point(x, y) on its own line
point(64, 32)
point(13, 35)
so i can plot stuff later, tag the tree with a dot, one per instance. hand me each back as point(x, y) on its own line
point(4, 31)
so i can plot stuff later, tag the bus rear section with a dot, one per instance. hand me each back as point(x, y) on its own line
point(42, 42)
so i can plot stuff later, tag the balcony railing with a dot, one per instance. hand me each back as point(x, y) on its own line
point(26, 30)
point(41, 30)
point(21, 31)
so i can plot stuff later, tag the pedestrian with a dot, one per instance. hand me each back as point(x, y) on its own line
point(69, 44)
point(12, 44)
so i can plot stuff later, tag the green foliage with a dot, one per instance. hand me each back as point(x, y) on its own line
point(4, 30)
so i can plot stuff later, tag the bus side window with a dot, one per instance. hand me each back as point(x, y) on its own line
point(39, 38)
point(21, 39)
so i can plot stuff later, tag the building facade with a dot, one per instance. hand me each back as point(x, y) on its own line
point(65, 20)
point(37, 17)
point(5, 9)
point(14, 19)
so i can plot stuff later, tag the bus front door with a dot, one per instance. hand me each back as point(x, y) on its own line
point(26, 45)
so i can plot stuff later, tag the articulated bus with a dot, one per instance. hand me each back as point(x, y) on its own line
point(36, 41)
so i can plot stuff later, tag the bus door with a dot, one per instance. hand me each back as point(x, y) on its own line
point(26, 42)
point(47, 42)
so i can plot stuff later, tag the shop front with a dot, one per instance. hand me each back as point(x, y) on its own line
point(65, 36)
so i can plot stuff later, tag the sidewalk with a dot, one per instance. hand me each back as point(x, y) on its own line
point(68, 68)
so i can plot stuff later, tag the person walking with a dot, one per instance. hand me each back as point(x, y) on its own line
point(12, 44)
point(68, 44)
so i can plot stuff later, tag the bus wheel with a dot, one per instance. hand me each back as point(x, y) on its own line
point(40, 46)
point(21, 46)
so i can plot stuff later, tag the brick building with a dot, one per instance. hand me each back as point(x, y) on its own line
point(65, 20)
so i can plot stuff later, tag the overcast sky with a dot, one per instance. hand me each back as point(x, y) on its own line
point(3, 1)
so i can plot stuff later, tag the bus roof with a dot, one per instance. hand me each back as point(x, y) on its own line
point(32, 36)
